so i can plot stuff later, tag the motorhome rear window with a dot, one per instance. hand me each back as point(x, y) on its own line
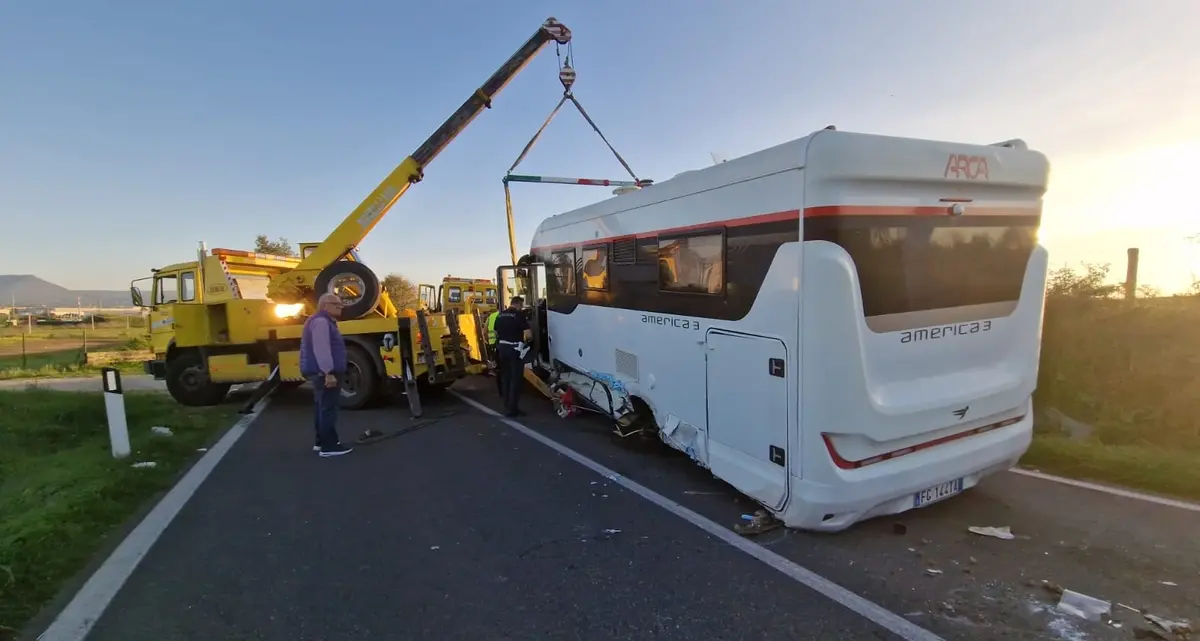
point(561, 272)
point(692, 264)
point(916, 264)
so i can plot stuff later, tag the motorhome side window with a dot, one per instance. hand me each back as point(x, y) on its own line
point(187, 286)
point(692, 264)
point(595, 267)
point(561, 272)
point(165, 289)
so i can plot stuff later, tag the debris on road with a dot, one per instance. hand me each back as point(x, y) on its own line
point(932, 572)
point(759, 523)
point(994, 532)
point(145, 464)
point(899, 528)
point(1168, 629)
point(1084, 606)
point(162, 431)
point(612, 531)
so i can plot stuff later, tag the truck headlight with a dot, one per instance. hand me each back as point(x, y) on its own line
point(288, 310)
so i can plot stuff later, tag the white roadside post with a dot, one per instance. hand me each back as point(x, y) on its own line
point(114, 406)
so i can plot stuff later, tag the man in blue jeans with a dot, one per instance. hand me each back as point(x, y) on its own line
point(323, 363)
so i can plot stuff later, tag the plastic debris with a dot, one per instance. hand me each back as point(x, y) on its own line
point(1167, 628)
point(145, 464)
point(162, 431)
point(611, 531)
point(435, 547)
point(1169, 584)
point(1084, 606)
point(759, 523)
point(994, 532)
point(932, 572)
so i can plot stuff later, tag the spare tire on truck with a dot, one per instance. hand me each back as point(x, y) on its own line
point(368, 289)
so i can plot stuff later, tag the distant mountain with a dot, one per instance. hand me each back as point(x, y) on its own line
point(30, 291)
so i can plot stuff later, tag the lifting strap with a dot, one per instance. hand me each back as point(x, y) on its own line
point(566, 75)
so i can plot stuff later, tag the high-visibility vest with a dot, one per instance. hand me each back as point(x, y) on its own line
point(491, 325)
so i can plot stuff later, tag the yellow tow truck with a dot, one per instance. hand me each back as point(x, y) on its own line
point(233, 317)
point(459, 294)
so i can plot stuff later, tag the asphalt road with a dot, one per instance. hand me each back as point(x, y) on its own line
point(468, 529)
point(464, 529)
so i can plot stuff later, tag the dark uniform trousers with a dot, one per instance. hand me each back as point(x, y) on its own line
point(512, 376)
point(511, 326)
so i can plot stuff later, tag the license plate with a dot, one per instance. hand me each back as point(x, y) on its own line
point(937, 492)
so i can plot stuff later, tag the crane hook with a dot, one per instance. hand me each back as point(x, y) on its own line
point(566, 75)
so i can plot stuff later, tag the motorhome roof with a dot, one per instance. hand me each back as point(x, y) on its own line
point(846, 151)
point(784, 156)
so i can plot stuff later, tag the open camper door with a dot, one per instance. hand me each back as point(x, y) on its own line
point(528, 282)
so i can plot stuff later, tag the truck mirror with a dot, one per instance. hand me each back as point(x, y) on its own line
point(136, 295)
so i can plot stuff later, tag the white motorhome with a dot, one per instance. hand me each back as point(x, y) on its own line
point(842, 326)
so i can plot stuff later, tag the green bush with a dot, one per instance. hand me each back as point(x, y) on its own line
point(1126, 367)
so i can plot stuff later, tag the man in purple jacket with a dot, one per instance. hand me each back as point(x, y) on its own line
point(323, 363)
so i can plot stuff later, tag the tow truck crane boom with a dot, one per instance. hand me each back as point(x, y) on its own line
point(296, 285)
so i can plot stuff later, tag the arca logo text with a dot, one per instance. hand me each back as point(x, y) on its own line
point(964, 166)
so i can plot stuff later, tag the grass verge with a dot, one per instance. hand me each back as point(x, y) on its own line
point(62, 493)
point(1149, 468)
point(62, 370)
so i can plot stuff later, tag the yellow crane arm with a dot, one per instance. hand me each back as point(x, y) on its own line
point(294, 286)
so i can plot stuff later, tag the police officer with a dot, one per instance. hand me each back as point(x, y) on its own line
point(512, 338)
point(491, 339)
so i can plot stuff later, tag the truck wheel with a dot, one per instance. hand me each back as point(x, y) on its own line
point(367, 288)
point(188, 382)
point(361, 381)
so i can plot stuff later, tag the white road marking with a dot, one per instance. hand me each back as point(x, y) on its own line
point(861, 606)
point(78, 617)
point(1115, 491)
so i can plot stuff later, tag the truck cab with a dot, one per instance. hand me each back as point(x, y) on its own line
point(167, 287)
point(459, 295)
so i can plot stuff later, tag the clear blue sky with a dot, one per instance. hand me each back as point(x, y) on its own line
point(131, 130)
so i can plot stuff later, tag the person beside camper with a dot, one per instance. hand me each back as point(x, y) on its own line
point(323, 364)
point(491, 339)
point(512, 344)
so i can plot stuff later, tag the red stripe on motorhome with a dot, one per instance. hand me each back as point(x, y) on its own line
point(792, 214)
point(845, 464)
point(918, 210)
point(825, 211)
